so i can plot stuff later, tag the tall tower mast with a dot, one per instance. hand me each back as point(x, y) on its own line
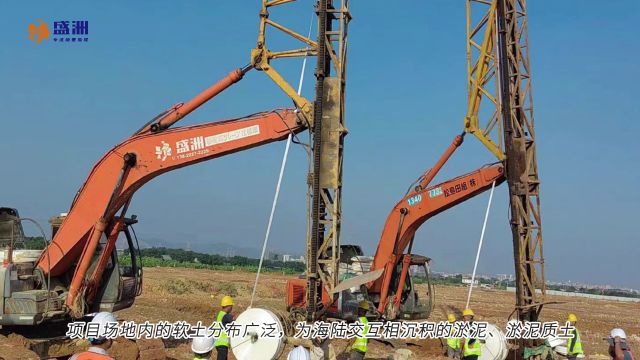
point(499, 73)
point(325, 117)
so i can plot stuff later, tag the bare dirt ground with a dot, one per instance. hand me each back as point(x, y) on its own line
point(191, 295)
point(173, 294)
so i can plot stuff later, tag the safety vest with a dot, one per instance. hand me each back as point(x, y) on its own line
point(472, 349)
point(223, 340)
point(361, 343)
point(574, 347)
point(453, 343)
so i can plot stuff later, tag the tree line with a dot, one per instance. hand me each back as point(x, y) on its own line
point(184, 256)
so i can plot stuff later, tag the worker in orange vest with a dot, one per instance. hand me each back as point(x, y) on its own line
point(99, 344)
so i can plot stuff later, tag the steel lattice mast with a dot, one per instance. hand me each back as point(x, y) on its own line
point(325, 117)
point(499, 73)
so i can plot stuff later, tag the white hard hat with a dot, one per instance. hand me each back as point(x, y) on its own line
point(102, 318)
point(202, 345)
point(618, 332)
point(299, 353)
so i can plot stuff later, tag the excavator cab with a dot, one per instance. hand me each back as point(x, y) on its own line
point(27, 297)
point(122, 275)
point(414, 298)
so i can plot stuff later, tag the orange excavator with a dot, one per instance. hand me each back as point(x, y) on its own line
point(78, 272)
point(387, 282)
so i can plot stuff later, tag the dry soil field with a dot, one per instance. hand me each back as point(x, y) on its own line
point(173, 294)
point(185, 294)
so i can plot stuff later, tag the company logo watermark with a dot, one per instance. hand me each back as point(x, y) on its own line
point(64, 31)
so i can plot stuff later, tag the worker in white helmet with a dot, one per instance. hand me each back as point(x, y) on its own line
point(319, 349)
point(618, 348)
point(99, 344)
point(299, 353)
point(202, 347)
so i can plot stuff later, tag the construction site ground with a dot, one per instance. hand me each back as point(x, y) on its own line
point(174, 294)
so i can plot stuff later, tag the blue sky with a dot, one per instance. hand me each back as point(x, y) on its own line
point(64, 105)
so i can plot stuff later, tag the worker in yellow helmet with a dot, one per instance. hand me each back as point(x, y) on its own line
point(574, 345)
point(223, 318)
point(470, 347)
point(453, 344)
point(359, 348)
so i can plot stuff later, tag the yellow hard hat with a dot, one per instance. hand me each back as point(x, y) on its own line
point(364, 305)
point(572, 317)
point(226, 301)
point(468, 312)
point(451, 318)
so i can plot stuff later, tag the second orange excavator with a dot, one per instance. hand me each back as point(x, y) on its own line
point(385, 280)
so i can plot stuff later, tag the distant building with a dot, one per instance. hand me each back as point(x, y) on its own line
point(468, 281)
point(166, 257)
point(290, 258)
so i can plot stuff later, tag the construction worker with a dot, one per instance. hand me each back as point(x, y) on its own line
point(299, 353)
point(202, 347)
point(224, 317)
point(359, 348)
point(319, 349)
point(453, 344)
point(574, 345)
point(618, 348)
point(99, 344)
point(470, 347)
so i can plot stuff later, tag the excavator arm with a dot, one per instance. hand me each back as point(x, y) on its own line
point(154, 149)
point(412, 211)
point(137, 160)
point(416, 207)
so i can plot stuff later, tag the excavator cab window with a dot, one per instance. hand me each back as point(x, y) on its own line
point(122, 277)
point(406, 288)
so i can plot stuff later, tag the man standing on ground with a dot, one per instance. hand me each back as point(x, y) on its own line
point(618, 348)
point(574, 345)
point(470, 347)
point(453, 344)
point(99, 344)
point(359, 348)
point(223, 318)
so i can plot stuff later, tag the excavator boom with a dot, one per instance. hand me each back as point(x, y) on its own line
point(149, 155)
point(416, 208)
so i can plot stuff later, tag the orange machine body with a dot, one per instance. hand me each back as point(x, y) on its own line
point(151, 151)
point(155, 154)
point(412, 211)
point(404, 220)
